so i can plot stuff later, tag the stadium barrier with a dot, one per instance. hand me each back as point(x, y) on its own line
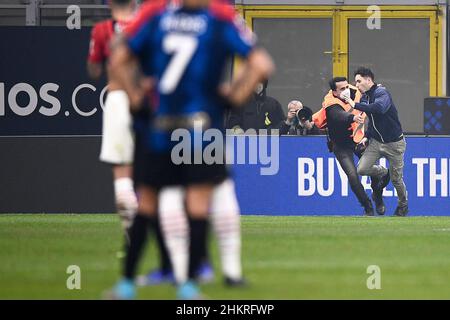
point(310, 181)
point(63, 175)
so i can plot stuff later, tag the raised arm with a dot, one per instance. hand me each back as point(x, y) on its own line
point(256, 68)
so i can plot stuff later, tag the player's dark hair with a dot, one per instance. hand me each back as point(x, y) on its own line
point(364, 72)
point(120, 3)
point(335, 80)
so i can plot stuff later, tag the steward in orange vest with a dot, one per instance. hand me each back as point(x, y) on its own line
point(356, 130)
point(345, 130)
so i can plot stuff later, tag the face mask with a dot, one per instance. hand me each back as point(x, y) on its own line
point(259, 88)
point(345, 94)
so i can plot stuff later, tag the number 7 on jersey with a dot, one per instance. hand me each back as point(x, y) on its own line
point(182, 47)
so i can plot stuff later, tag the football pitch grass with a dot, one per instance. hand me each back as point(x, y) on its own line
point(284, 257)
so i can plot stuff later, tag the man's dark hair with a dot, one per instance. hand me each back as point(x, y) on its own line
point(364, 72)
point(335, 80)
point(120, 3)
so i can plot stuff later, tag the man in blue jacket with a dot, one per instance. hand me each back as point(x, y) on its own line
point(386, 139)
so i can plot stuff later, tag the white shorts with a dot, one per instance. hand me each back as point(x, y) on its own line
point(118, 140)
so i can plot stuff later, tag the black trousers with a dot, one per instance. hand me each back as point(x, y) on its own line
point(345, 156)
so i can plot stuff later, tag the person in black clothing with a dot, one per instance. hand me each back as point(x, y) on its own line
point(339, 122)
point(260, 112)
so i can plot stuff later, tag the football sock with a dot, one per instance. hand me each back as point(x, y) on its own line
point(138, 237)
point(197, 234)
point(175, 230)
point(164, 259)
point(225, 217)
point(227, 229)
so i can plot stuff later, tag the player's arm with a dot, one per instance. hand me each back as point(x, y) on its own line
point(257, 64)
point(95, 70)
point(125, 66)
point(96, 56)
point(125, 69)
point(256, 68)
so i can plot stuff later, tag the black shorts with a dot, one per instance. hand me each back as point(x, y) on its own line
point(157, 170)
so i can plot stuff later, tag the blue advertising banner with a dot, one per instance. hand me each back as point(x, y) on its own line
point(44, 87)
point(309, 180)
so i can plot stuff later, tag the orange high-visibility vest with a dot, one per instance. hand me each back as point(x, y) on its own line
point(320, 117)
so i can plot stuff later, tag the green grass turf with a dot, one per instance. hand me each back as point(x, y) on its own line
point(284, 257)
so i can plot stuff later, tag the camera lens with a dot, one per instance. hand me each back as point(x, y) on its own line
point(304, 114)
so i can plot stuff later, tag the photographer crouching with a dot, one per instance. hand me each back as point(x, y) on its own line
point(299, 121)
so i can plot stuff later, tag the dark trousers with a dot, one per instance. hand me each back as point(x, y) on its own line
point(345, 157)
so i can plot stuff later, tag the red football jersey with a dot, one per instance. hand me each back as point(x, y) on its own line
point(102, 33)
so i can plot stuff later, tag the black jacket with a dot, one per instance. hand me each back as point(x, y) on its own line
point(261, 112)
point(384, 124)
point(339, 126)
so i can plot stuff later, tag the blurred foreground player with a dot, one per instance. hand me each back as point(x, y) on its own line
point(117, 137)
point(225, 219)
point(185, 50)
